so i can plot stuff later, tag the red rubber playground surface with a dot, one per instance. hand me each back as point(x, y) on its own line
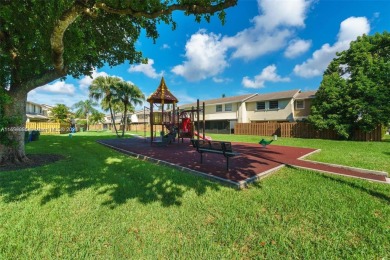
point(253, 161)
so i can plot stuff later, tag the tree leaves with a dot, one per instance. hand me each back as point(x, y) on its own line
point(76, 36)
point(355, 89)
point(60, 113)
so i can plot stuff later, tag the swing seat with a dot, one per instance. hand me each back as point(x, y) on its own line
point(264, 142)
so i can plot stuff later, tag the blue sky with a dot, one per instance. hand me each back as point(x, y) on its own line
point(265, 46)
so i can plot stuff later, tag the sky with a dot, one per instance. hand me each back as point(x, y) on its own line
point(265, 46)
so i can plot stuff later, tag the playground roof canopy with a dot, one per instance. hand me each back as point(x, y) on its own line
point(162, 95)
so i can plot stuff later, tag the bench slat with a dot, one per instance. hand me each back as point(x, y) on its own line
point(217, 147)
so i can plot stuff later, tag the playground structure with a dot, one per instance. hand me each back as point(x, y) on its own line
point(174, 123)
point(187, 123)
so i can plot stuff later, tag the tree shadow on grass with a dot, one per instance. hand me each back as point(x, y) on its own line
point(376, 194)
point(114, 177)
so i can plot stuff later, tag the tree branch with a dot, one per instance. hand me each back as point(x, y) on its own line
point(43, 79)
point(2, 36)
point(192, 8)
point(80, 7)
point(56, 40)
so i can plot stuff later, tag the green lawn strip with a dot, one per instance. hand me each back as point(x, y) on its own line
point(98, 203)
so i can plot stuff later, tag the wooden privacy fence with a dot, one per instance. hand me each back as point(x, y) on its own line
point(142, 128)
point(300, 130)
point(48, 128)
point(95, 128)
point(130, 127)
point(264, 129)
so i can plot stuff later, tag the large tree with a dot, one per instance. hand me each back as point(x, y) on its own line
point(44, 41)
point(355, 89)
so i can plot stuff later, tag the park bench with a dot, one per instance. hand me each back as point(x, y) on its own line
point(217, 147)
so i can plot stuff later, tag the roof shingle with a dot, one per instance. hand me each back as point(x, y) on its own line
point(162, 95)
point(306, 94)
point(224, 100)
point(275, 96)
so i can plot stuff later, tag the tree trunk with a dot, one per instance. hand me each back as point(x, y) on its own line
point(124, 121)
point(113, 120)
point(87, 122)
point(12, 149)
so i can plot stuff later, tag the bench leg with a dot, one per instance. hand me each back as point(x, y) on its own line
point(201, 157)
point(227, 163)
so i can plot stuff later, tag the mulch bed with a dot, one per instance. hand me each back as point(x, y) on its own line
point(35, 160)
point(253, 162)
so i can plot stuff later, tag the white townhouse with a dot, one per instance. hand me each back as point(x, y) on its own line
point(37, 112)
point(222, 114)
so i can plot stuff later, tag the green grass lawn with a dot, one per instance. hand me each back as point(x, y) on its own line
point(97, 203)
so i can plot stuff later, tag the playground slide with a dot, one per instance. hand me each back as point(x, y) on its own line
point(208, 138)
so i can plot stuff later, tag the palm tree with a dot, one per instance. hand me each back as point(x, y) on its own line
point(84, 109)
point(102, 89)
point(130, 96)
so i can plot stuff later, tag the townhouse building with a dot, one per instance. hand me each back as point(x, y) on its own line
point(222, 114)
point(37, 112)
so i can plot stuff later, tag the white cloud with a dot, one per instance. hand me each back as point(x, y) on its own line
point(206, 57)
point(206, 54)
point(85, 82)
point(59, 87)
point(251, 43)
point(221, 80)
point(353, 27)
point(350, 29)
point(271, 30)
point(282, 13)
point(267, 74)
point(297, 47)
point(47, 98)
point(184, 98)
point(61, 92)
point(146, 69)
point(165, 46)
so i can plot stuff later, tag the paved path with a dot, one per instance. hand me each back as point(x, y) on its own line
point(294, 156)
point(253, 162)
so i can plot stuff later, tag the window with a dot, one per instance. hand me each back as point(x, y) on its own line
point(218, 108)
point(274, 104)
point(217, 125)
point(299, 104)
point(260, 105)
point(228, 107)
